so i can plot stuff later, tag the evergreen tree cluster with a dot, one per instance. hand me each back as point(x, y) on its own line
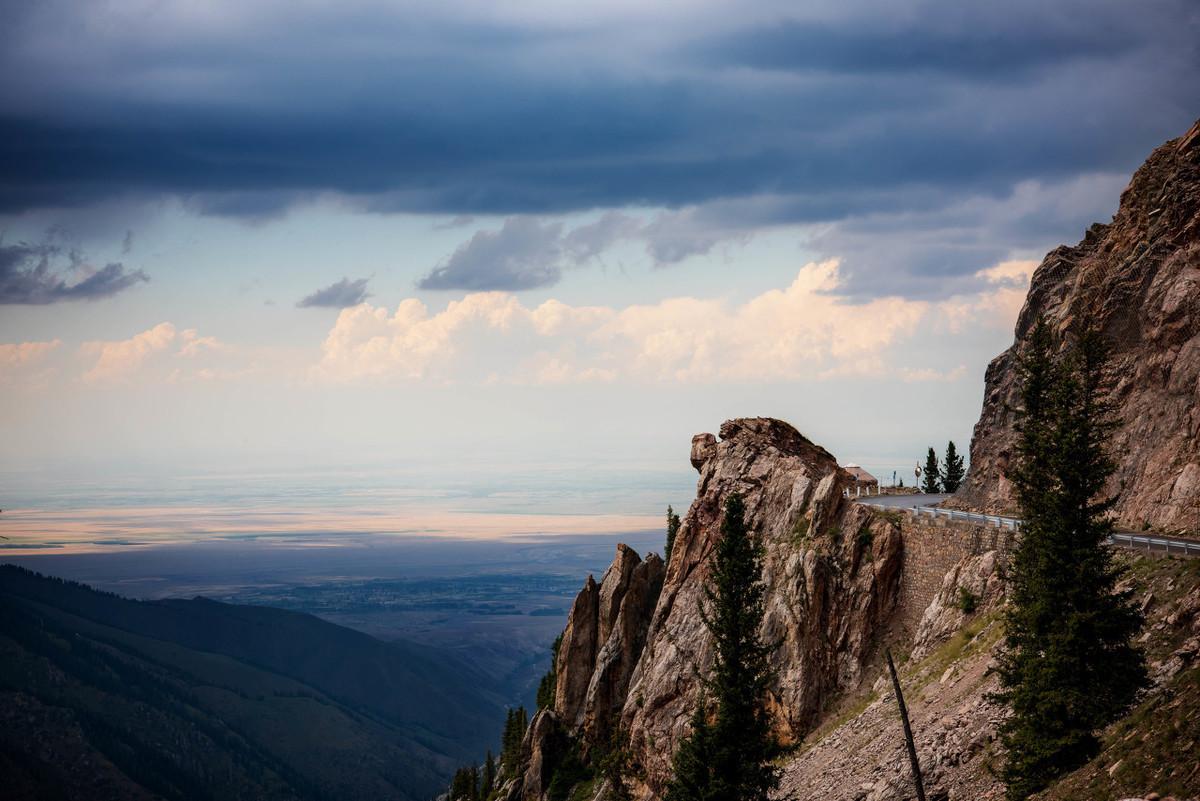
point(475, 782)
point(728, 755)
point(953, 469)
point(548, 686)
point(673, 524)
point(946, 476)
point(1069, 666)
point(481, 782)
point(510, 742)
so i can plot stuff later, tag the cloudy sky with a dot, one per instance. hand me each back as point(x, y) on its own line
point(342, 232)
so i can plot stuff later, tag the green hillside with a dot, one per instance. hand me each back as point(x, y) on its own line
point(107, 697)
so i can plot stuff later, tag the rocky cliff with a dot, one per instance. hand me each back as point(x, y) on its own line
point(1138, 279)
point(635, 643)
point(842, 581)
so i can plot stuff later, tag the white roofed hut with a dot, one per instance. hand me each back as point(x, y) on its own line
point(864, 482)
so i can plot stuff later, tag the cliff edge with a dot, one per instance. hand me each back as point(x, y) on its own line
point(1138, 279)
point(635, 644)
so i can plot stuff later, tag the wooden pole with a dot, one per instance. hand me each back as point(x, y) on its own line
point(908, 735)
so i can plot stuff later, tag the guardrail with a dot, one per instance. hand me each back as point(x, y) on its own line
point(1182, 547)
point(1141, 541)
point(954, 514)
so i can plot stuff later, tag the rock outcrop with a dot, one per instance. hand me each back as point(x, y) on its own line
point(603, 640)
point(1138, 279)
point(577, 653)
point(622, 647)
point(831, 569)
point(838, 586)
point(540, 751)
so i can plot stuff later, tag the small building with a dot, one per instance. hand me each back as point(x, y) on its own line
point(864, 482)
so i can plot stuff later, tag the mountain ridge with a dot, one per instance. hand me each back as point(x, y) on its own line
point(276, 676)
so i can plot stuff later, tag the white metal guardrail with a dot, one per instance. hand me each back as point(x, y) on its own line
point(1143, 541)
point(1181, 547)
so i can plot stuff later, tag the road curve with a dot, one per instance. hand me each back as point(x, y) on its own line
point(926, 504)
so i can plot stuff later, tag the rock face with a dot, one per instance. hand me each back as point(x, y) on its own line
point(622, 647)
point(1138, 279)
point(605, 633)
point(577, 653)
point(539, 751)
point(832, 572)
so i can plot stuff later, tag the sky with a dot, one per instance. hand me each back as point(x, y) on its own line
point(466, 238)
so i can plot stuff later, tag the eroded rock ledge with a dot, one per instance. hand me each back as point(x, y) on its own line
point(635, 644)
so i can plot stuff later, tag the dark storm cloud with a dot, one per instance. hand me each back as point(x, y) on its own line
point(860, 110)
point(34, 275)
point(526, 253)
point(339, 295)
point(523, 254)
point(975, 48)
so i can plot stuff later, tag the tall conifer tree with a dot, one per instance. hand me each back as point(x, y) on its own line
point(931, 480)
point(489, 775)
point(1069, 666)
point(952, 469)
point(692, 767)
point(731, 758)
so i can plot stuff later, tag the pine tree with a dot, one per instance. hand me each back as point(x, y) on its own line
point(672, 530)
point(952, 469)
point(510, 743)
point(930, 482)
point(612, 760)
point(548, 686)
point(462, 785)
point(1069, 666)
point(489, 775)
point(692, 766)
point(731, 758)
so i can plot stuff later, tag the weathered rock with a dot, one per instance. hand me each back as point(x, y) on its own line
point(1137, 279)
point(603, 640)
point(622, 648)
point(831, 570)
point(577, 653)
point(540, 752)
point(703, 447)
point(613, 586)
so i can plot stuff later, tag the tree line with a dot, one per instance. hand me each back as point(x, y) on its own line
point(946, 476)
point(481, 782)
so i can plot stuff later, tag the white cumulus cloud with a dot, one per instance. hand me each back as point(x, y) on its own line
point(22, 354)
point(802, 331)
point(119, 358)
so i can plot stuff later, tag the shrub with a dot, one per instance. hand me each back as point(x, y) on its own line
point(967, 600)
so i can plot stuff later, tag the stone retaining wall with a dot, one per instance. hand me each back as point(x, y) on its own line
point(932, 546)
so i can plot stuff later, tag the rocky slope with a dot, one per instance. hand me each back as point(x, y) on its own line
point(1138, 279)
point(859, 755)
point(839, 588)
